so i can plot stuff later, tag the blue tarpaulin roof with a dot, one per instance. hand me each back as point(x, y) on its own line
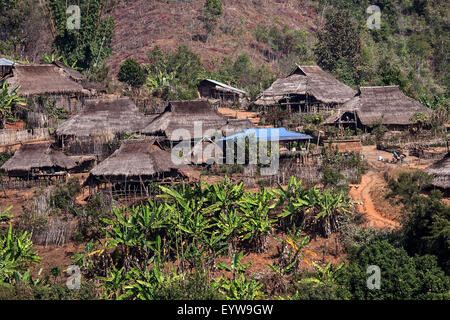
point(269, 134)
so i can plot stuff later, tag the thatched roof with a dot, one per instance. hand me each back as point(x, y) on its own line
point(137, 158)
point(106, 115)
point(39, 155)
point(180, 117)
point(43, 79)
point(75, 75)
point(72, 73)
point(385, 104)
point(311, 80)
point(441, 172)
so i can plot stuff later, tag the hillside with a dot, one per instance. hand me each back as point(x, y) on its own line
point(140, 25)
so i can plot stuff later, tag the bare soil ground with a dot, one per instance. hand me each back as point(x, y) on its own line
point(381, 213)
point(239, 114)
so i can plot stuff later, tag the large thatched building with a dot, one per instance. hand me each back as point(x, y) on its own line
point(193, 120)
point(441, 173)
point(98, 124)
point(385, 105)
point(306, 89)
point(131, 168)
point(50, 83)
point(38, 161)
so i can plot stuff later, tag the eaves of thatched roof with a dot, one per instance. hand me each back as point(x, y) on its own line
point(441, 172)
point(384, 104)
point(39, 155)
point(193, 119)
point(104, 116)
point(136, 158)
point(44, 79)
point(311, 80)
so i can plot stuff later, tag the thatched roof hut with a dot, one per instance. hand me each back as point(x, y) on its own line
point(180, 119)
point(37, 156)
point(385, 104)
point(307, 80)
point(441, 172)
point(104, 116)
point(136, 159)
point(44, 79)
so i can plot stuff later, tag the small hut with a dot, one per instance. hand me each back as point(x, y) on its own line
point(385, 105)
point(5, 67)
point(225, 94)
point(98, 124)
point(133, 167)
point(187, 120)
point(38, 162)
point(441, 173)
point(306, 89)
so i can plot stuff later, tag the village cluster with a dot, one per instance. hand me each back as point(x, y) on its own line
point(124, 150)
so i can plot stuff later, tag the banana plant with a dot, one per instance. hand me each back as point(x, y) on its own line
point(115, 284)
point(257, 223)
point(9, 98)
point(225, 195)
point(16, 252)
point(230, 225)
point(294, 202)
point(328, 204)
point(323, 275)
point(145, 282)
point(239, 287)
point(51, 58)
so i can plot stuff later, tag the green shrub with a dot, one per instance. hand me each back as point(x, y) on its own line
point(132, 73)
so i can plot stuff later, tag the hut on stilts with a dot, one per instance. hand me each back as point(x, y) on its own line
point(131, 170)
point(96, 128)
point(307, 89)
point(37, 164)
point(385, 105)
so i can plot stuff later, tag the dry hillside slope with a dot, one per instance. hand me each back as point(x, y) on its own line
point(142, 24)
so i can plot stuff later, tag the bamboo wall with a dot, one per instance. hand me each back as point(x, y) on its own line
point(11, 137)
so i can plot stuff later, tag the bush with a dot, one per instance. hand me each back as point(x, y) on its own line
point(402, 276)
point(132, 73)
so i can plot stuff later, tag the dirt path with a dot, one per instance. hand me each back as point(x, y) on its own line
point(361, 193)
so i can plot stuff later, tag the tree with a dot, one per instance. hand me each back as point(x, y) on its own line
point(402, 276)
point(211, 13)
point(132, 73)
point(338, 43)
